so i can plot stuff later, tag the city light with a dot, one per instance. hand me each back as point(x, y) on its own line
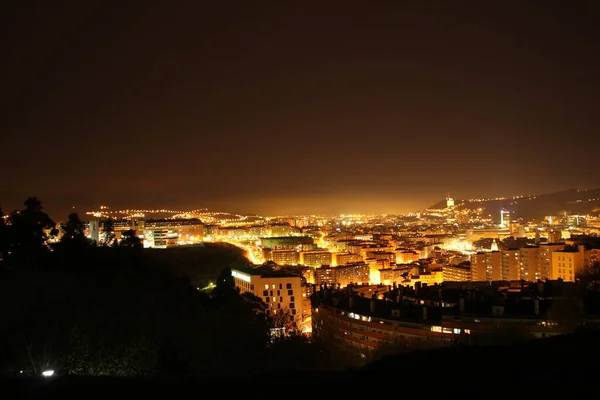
point(241, 276)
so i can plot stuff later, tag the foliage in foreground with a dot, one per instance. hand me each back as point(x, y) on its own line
point(106, 309)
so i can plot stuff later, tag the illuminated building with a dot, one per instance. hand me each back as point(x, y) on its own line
point(504, 218)
point(389, 276)
point(315, 258)
point(374, 266)
point(494, 245)
point(211, 230)
point(302, 243)
point(566, 264)
point(162, 233)
point(364, 250)
point(432, 315)
point(545, 258)
point(449, 201)
point(529, 262)
point(281, 229)
point(284, 257)
point(281, 292)
point(404, 256)
point(366, 324)
point(478, 234)
point(309, 275)
point(457, 273)
point(343, 275)
point(257, 231)
point(429, 277)
point(382, 255)
point(576, 221)
point(326, 275)
point(357, 273)
point(456, 259)
point(478, 267)
point(554, 236)
point(94, 231)
point(155, 233)
point(159, 238)
point(511, 268)
point(365, 332)
point(95, 228)
point(267, 254)
point(345, 258)
point(234, 233)
point(356, 246)
point(378, 263)
point(342, 245)
point(493, 266)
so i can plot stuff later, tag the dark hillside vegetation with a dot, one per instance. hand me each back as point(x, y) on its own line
point(201, 264)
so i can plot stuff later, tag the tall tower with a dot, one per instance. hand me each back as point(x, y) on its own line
point(449, 201)
point(504, 218)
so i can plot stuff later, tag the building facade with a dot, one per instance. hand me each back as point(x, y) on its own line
point(282, 293)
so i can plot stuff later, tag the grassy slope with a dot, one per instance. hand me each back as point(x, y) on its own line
point(566, 364)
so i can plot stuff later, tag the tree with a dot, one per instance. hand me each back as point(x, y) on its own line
point(29, 231)
point(74, 232)
point(225, 291)
point(589, 281)
point(3, 236)
point(108, 233)
point(590, 276)
point(283, 324)
point(131, 240)
point(242, 315)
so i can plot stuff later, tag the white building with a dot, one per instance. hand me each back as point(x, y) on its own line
point(281, 292)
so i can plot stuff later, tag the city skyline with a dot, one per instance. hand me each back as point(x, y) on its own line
point(293, 109)
point(11, 201)
point(298, 195)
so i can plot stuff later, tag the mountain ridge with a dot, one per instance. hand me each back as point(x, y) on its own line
point(570, 201)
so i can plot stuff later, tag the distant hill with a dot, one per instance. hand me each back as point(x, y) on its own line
point(572, 201)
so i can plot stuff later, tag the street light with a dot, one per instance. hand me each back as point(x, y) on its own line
point(48, 373)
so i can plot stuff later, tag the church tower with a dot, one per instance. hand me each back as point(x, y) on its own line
point(449, 201)
point(494, 245)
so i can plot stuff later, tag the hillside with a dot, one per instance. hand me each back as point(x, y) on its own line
point(200, 264)
point(572, 201)
point(546, 365)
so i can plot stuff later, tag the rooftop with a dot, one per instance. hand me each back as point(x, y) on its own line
point(266, 272)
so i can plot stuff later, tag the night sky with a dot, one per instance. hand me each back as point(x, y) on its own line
point(280, 107)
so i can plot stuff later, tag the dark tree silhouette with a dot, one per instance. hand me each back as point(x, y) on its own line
point(246, 308)
point(121, 314)
point(589, 280)
point(74, 232)
point(224, 291)
point(3, 236)
point(129, 239)
point(29, 231)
